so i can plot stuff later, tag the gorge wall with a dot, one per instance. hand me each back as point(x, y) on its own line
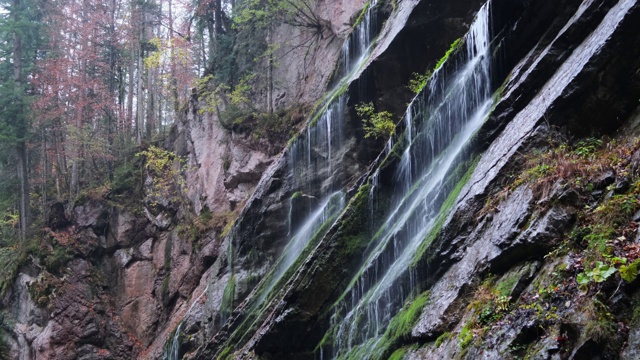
point(498, 221)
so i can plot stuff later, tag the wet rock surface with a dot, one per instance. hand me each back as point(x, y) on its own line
point(500, 286)
point(524, 228)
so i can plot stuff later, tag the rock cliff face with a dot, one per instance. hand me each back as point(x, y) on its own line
point(498, 222)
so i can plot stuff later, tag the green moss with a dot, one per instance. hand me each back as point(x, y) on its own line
point(454, 47)
point(442, 338)
point(352, 244)
point(292, 139)
point(443, 213)
point(362, 14)
point(466, 337)
point(395, 153)
point(323, 104)
point(401, 325)
point(504, 287)
point(398, 354)
point(327, 340)
point(354, 226)
point(315, 239)
point(225, 354)
point(497, 95)
point(363, 351)
point(397, 333)
point(601, 331)
point(164, 289)
point(296, 195)
point(226, 306)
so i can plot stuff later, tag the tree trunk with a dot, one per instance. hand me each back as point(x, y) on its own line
point(132, 69)
point(140, 99)
point(23, 175)
point(172, 55)
point(21, 145)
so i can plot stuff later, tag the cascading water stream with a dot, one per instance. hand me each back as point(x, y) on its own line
point(315, 156)
point(449, 112)
point(172, 352)
point(327, 211)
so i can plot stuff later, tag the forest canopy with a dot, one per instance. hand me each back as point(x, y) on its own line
point(85, 84)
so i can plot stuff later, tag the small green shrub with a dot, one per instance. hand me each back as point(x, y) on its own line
point(600, 273)
point(629, 272)
point(375, 124)
point(127, 180)
point(587, 147)
point(419, 81)
point(9, 261)
point(454, 46)
point(55, 260)
point(165, 169)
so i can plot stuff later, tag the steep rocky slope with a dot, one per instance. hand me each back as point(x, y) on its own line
point(562, 67)
point(499, 221)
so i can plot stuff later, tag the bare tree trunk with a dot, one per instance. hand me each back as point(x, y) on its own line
point(21, 146)
point(45, 173)
point(140, 100)
point(172, 55)
point(218, 17)
point(151, 123)
point(132, 68)
point(23, 175)
point(270, 74)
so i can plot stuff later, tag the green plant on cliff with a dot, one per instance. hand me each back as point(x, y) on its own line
point(465, 337)
point(442, 338)
point(9, 261)
point(376, 124)
point(630, 272)
point(401, 325)
point(208, 94)
point(226, 306)
point(454, 47)
point(165, 170)
point(399, 329)
point(419, 81)
point(599, 273)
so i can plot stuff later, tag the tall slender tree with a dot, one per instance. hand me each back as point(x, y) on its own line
point(19, 42)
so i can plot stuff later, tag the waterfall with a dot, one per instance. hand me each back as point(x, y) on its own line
point(316, 154)
point(326, 212)
point(171, 350)
point(314, 160)
point(439, 124)
point(315, 157)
